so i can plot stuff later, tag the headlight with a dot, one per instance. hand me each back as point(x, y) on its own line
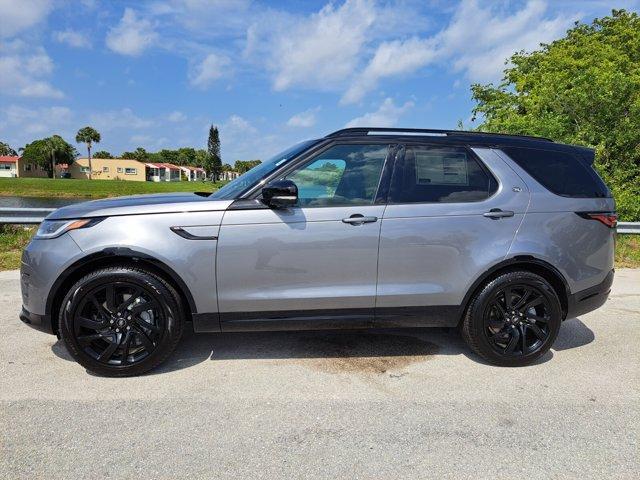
point(55, 228)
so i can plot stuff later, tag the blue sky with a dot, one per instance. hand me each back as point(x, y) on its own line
point(156, 74)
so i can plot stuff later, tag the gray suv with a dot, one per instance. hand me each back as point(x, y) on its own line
point(501, 236)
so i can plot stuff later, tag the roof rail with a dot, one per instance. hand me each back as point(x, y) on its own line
point(363, 131)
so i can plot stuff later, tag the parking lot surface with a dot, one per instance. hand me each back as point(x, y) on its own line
point(379, 404)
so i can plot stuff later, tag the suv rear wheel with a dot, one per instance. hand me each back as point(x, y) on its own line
point(513, 320)
point(121, 321)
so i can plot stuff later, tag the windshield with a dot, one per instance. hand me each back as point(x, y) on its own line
point(234, 188)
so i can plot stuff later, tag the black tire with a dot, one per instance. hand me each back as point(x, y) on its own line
point(508, 327)
point(121, 321)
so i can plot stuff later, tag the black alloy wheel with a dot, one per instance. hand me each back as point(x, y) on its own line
point(516, 320)
point(121, 321)
point(513, 319)
point(118, 324)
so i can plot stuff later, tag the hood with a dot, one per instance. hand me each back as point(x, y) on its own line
point(140, 204)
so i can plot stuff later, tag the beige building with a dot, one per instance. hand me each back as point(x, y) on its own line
point(109, 169)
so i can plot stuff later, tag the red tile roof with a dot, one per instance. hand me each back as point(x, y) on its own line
point(8, 159)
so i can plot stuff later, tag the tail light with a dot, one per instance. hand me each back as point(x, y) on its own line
point(609, 219)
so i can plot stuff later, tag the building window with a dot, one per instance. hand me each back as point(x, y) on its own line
point(27, 167)
point(130, 171)
point(105, 169)
point(84, 169)
point(119, 169)
point(5, 166)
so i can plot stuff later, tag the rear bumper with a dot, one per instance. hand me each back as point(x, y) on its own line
point(39, 322)
point(587, 300)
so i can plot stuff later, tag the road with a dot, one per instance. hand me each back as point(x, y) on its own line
point(379, 405)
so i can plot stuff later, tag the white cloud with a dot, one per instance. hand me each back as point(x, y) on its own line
point(72, 38)
point(209, 70)
point(479, 40)
point(25, 71)
point(237, 124)
point(304, 119)
point(391, 59)
point(132, 36)
point(176, 116)
point(387, 115)
point(119, 119)
point(18, 15)
point(28, 123)
point(320, 51)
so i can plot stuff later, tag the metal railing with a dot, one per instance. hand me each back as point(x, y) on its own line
point(33, 216)
point(628, 227)
point(23, 216)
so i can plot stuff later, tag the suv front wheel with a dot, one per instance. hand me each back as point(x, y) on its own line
point(513, 320)
point(121, 321)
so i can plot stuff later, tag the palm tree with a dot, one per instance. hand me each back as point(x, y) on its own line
point(88, 135)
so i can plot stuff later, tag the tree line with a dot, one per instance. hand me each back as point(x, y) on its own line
point(51, 151)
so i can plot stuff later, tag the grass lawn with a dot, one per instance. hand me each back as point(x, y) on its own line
point(70, 188)
point(14, 238)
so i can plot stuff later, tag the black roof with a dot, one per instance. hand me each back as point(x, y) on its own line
point(451, 137)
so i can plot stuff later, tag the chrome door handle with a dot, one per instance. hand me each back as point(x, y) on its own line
point(497, 213)
point(358, 219)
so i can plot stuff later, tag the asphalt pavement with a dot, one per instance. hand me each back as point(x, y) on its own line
point(356, 405)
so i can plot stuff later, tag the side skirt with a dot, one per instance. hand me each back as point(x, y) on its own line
point(395, 317)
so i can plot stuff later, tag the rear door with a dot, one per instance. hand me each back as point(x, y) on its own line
point(452, 213)
point(313, 265)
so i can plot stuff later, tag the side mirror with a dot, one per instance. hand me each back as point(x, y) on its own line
point(280, 194)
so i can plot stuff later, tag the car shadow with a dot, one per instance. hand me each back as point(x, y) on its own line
point(391, 346)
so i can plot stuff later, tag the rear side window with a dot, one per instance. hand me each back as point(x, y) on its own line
point(440, 175)
point(559, 172)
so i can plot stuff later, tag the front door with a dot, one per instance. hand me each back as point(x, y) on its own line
point(453, 213)
point(313, 265)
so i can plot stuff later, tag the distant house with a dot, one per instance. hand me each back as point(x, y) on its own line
point(15, 166)
point(162, 172)
point(194, 173)
point(229, 175)
point(109, 169)
point(8, 166)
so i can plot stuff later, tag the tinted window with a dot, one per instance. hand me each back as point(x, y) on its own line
point(341, 175)
point(559, 172)
point(248, 179)
point(440, 175)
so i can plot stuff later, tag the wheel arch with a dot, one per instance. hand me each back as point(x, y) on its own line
point(109, 257)
point(523, 262)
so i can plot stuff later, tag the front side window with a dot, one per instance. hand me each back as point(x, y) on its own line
point(105, 169)
point(341, 175)
point(130, 171)
point(440, 175)
point(84, 169)
point(248, 179)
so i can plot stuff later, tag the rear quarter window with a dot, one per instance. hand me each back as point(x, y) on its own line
point(559, 172)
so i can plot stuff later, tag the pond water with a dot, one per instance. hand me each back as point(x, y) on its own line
point(38, 202)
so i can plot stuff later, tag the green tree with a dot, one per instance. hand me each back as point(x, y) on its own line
point(102, 154)
point(201, 158)
point(214, 162)
point(581, 89)
point(6, 150)
point(242, 166)
point(139, 154)
point(88, 136)
point(48, 152)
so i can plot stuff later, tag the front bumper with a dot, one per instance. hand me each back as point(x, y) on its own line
point(587, 300)
point(39, 322)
